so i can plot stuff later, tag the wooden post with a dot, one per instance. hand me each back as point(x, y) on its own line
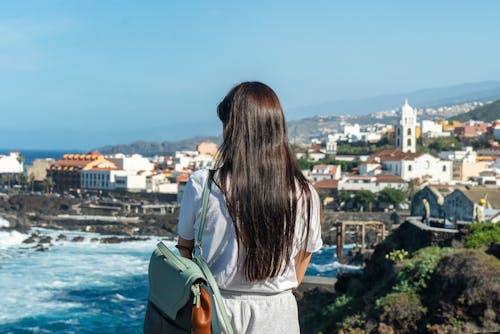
point(343, 233)
point(340, 241)
point(363, 231)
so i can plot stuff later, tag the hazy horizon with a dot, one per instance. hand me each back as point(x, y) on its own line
point(84, 74)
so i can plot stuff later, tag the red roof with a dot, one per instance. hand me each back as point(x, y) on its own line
point(332, 171)
point(389, 178)
point(327, 184)
point(182, 178)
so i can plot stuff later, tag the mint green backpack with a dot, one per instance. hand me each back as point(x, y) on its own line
point(174, 287)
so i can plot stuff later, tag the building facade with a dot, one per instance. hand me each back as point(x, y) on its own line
point(65, 174)
point(406, 139)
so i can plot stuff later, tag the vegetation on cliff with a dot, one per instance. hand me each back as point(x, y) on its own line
point(411, 285)
point(486, 113)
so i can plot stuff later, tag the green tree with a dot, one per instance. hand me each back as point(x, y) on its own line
point(305, 164)
point(23, 180)
point(31, 178)
point(445, 144)
point(48, 184)
point(343, 198)
point(365, 198)
point(391, 196)
point(411, 189)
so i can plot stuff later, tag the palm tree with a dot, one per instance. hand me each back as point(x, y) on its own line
point(20, 158)
point(32, 180)
point(48, 184)
point(411, 189)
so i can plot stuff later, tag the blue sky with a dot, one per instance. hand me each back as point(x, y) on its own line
point(85, 73)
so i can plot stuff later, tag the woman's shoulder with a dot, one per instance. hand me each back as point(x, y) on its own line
point(199, 177)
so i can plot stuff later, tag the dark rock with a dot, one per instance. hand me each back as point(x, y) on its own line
point(115, 240)
point(78, 239)
point(45, 240)
point(31, 239)
point(61, 237)
point(40, 248)
point(111, 240)
point(466, 285)
point(494, 250)
point(64, 207)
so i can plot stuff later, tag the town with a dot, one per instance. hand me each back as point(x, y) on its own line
point(361, 168)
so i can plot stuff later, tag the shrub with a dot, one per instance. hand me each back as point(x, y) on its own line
point(397, 255)
point(403, 309)
point(417, 271)
point(483, 235)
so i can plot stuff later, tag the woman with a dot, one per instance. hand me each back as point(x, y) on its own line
point(263, 218)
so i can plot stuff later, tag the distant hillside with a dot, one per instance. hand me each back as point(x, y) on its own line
point(488, 113)
point(158, 148)
point(458, 94)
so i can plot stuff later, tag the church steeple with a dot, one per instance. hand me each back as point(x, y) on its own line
point(406, 129)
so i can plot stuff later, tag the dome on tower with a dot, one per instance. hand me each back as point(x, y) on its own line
point(406, 108)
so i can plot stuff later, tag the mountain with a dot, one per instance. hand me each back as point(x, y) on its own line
point(457, 94)
point(304, 122)
point(160, 148)
point(487, 113)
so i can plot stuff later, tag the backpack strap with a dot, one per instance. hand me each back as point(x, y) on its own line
point(200, 261)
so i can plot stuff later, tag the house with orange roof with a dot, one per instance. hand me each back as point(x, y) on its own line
point(325, 172)
point(66, 173)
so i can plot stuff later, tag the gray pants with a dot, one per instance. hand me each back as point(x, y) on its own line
point(258, 313)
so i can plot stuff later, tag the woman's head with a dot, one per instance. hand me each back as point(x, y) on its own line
point(253, 120)
point(264, 178)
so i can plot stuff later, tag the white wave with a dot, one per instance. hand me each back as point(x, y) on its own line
point(11, 238)
point(33, 282)
point(119, 297)
point(4, 222)
point(321, 268)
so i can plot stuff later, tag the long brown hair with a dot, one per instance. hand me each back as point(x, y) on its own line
point(261, 179)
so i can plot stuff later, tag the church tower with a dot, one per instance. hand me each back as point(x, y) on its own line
point(406, 139)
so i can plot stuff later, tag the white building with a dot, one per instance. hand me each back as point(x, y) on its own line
point(433, 129)
point(325, 172)
point(11, 164)
point(192, 160)
point(405, 129)
point(466, 154)
point(100, 178)
point(411, 165)
point(110, 179)
point(331, 145)
point(132, 163)
point(130, 182)
point(160, 183)
point(372, 183)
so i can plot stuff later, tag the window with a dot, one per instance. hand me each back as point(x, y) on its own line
point(399, 131)
point(409, 142)
point(409, 168)
point(444, 168)
point(409, 131)
point(397, 143)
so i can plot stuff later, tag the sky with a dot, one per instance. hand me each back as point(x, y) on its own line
point(82, 74)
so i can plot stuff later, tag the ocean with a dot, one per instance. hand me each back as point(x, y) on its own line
point(87, 286)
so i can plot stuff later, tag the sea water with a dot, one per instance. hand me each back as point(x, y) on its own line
point(87, 286)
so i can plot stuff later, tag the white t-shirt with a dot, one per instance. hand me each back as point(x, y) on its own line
point(219, 244)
